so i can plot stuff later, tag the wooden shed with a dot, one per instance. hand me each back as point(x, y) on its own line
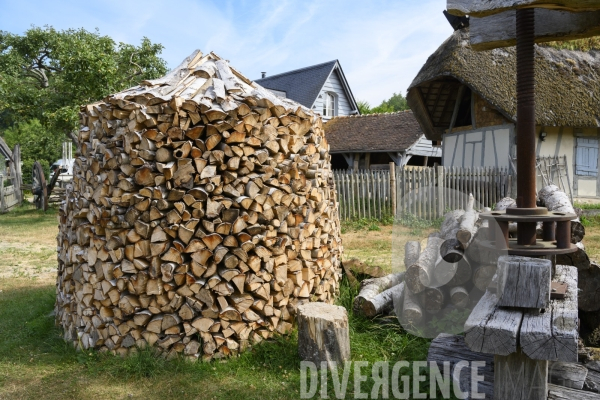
point(373, 141)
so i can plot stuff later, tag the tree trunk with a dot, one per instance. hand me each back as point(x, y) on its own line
point(323, 333)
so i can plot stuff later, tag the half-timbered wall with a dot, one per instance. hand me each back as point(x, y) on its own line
point(484, 147)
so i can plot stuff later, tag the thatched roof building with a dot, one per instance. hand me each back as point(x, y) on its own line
point(567, 84)
point(465, 100)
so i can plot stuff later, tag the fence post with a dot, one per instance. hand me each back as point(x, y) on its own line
point(2, 200)
point(440, 190)
point(393, 187)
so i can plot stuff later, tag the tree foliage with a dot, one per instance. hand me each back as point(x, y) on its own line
point(46, 74)
point(395, 103)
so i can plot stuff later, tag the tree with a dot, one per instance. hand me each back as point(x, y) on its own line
point(395, 103)
point(47, 74)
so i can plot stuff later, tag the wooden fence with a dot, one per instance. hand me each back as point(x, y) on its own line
point(10, 181)
point(421, 191)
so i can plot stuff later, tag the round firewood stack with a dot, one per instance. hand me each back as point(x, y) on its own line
point(202, 212)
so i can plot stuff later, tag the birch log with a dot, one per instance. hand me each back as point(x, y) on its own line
point(381, 303)
point(467, 228)
point(370, 289)
point(420, 275)
point(556, 200)
point(412, 249)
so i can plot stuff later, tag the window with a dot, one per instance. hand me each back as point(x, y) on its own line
point(329, 105)
point(586, 161)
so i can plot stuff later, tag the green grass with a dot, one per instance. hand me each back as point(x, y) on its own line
point(592, 221)
point(587, 206)
point(36, 362)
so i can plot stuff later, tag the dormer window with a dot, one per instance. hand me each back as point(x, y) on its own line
point(329, 106)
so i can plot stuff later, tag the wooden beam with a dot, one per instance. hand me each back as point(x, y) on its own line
point(499, 30)
point(447, 103)
point(552, 335)
point(437, 101)
point(421, 103)
point(459, 96)
point(518, 377)
point(482, 8)
point(349, 159)
point(397, 157)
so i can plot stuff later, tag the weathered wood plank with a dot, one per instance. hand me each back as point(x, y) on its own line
point(568, 374)
point(492, 330)
point(563, 393)
point(482, 8)
point(452, 349)
point(552, 335)
point(499, 30)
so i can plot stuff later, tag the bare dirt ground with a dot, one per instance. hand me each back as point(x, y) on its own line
point(28, 246)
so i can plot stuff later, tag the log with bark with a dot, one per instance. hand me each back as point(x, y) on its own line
point(202, 212)
point(376, 295)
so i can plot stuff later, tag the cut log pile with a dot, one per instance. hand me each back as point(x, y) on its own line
point(438, 277)
point(202, 212)
point(457, 265)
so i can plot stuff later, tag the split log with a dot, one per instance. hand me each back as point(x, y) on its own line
point(323, 333)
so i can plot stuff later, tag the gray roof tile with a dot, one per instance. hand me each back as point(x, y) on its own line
point(302, 85)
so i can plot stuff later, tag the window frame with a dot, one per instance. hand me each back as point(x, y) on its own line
point(329, 99)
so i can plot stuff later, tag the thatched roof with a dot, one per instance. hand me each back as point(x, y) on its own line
point(567, 82)
point(372, 132)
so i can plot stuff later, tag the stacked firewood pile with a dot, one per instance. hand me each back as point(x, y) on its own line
point(458, 264)
point(202, 212)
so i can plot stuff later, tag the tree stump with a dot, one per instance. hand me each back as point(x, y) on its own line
point(323, 333)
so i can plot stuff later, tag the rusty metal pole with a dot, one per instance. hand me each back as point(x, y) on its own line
point(526, 193)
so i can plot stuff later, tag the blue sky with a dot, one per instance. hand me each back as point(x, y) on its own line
point(381, 45)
